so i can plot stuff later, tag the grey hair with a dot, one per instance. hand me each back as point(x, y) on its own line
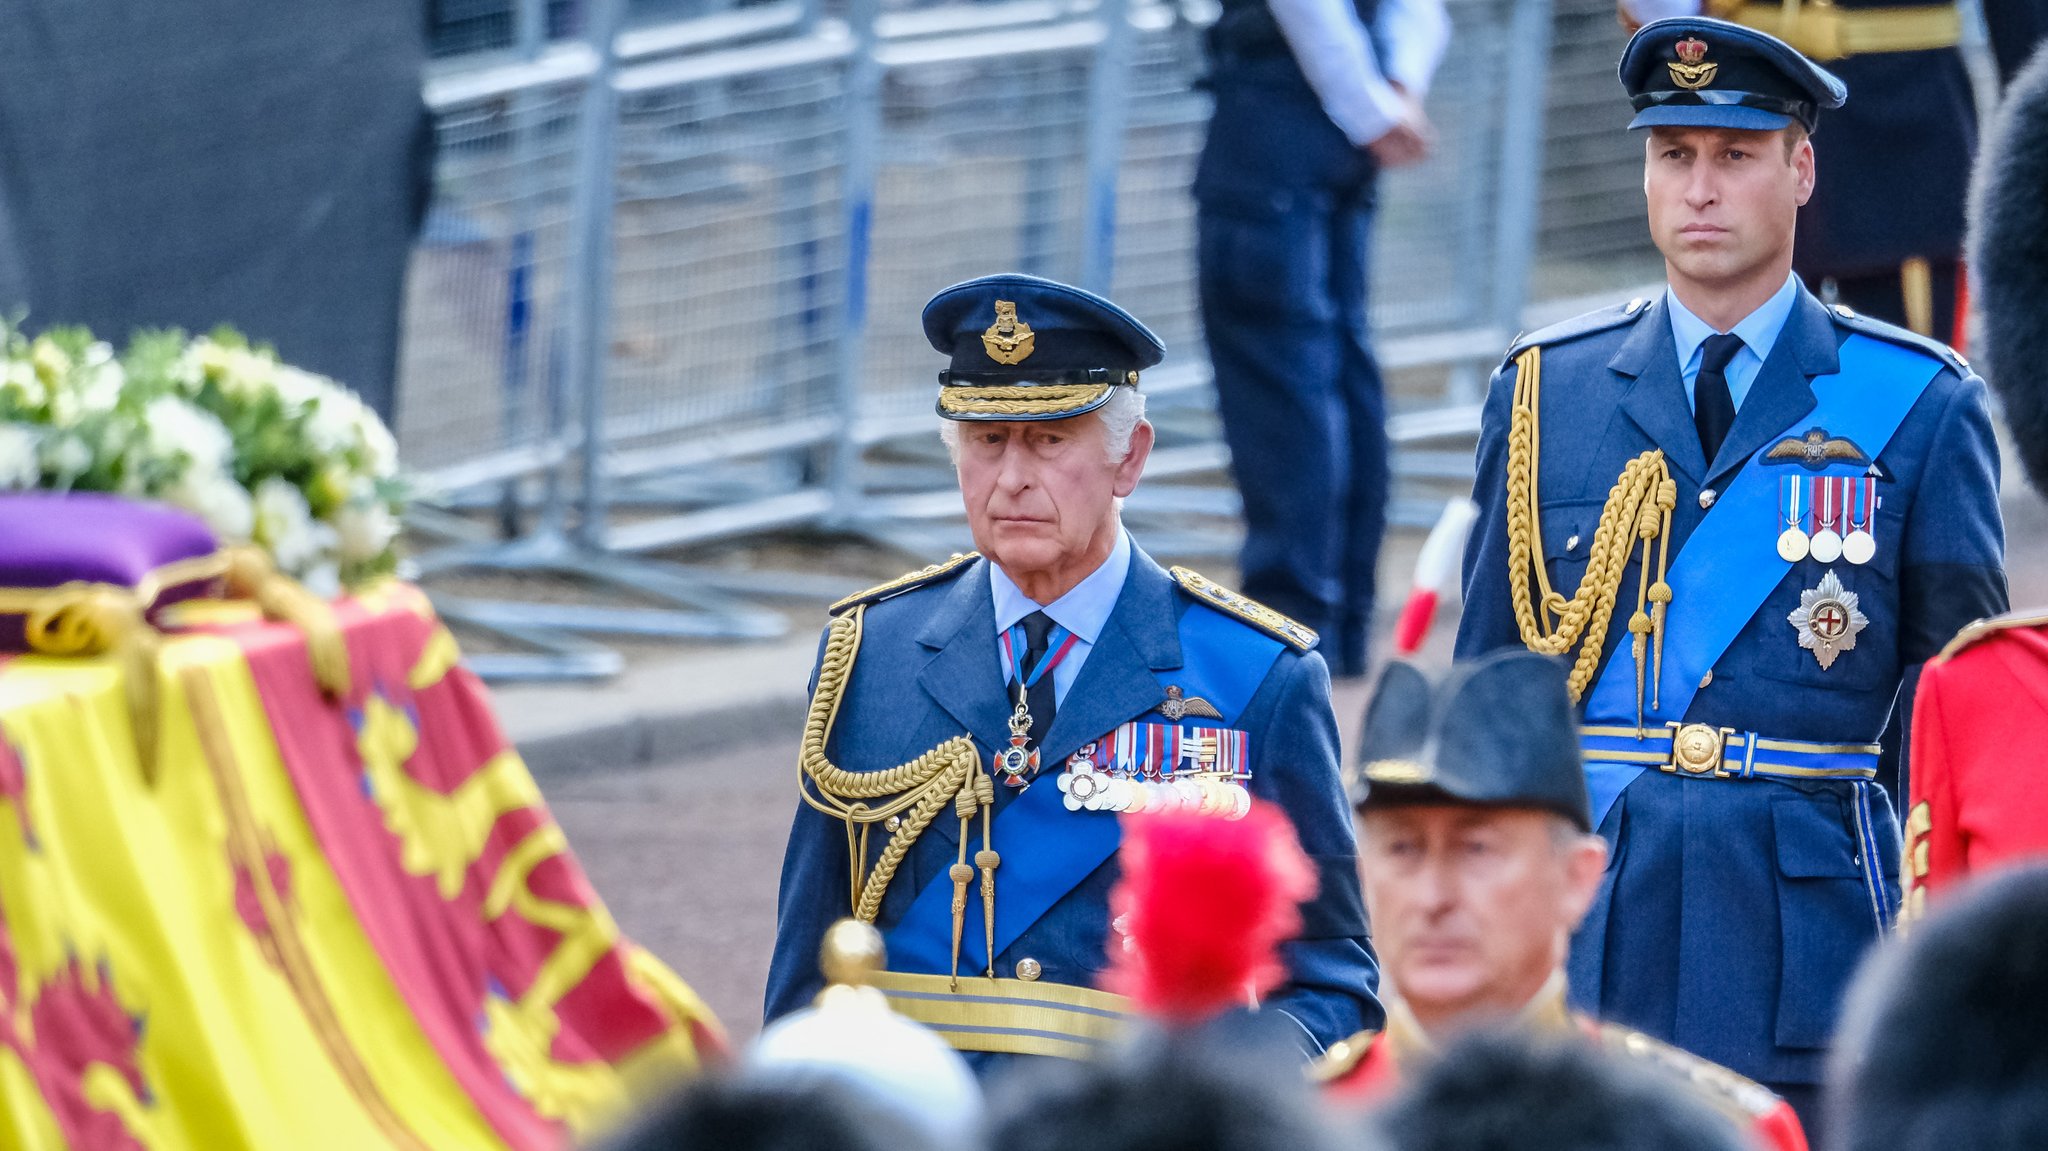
point(1120, 418)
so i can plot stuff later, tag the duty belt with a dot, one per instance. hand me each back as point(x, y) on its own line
point(1695, 749)
point(1822, 31)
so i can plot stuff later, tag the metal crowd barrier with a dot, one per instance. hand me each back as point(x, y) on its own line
point(670, 287)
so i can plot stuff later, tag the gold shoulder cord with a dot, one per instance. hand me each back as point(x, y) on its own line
point(950, 772)
point(1638, 508)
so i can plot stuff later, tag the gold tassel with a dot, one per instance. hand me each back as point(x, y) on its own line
point(82, 619)
point(251, 575)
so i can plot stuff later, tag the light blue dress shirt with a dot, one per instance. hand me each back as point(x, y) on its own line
point(1759, 331)
point(1084, 611)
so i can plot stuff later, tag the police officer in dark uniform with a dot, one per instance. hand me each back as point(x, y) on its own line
point(1746, 518)
point(979, 727)
point(1313, 98)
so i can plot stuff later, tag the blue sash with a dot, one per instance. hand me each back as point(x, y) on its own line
point(1730, 564)
point(1046, 850)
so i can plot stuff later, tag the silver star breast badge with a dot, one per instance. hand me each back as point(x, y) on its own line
point(1827, 620)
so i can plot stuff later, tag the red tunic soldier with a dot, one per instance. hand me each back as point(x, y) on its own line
point(1979, 790)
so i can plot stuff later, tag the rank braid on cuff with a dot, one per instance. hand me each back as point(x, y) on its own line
point(913, 793)
point(1638, 510)
point(930, 573)
point(1740, 1098)
point(1341, 1057)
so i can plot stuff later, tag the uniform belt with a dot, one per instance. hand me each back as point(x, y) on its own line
point(1012, 1016)
point(1824, 32)
point(1696, 749)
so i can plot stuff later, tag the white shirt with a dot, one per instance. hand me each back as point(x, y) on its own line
point(1084, 611)
point(1758, 330)
point(1335, 54)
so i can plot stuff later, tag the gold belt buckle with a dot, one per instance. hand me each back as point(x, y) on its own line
point(1697, 749)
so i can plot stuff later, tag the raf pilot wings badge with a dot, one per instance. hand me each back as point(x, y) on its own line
point(1815, 450)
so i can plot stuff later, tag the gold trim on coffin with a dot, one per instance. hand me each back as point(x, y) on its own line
point(1009, 1016)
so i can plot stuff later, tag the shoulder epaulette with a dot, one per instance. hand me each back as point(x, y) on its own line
point(1585, 324)
point(1339, 1058)
point(930, 573)
point(2031, 617)
point(1891, 333)
point(1743, 1098)
point(1294, 634)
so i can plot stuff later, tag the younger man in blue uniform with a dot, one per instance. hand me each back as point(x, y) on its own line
point(1751, 518)
point(979, 728)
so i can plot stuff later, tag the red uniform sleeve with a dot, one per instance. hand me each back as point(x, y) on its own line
point(1933, 836)
point(1778, 1129)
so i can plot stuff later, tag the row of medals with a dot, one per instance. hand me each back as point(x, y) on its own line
point(1207, 793)
point(1829, 498)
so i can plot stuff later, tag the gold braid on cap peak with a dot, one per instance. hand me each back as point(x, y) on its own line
point(911, 795)
point(1638, 508)
point(1020, 399)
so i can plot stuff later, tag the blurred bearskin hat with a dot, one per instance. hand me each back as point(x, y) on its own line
point(2008, 254)
point(1944, 1041)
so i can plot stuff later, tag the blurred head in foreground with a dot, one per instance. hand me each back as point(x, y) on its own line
point(1509, 1092)
point(1944, 1041)
point(721, 1113)
point(1475, 847)
point(1171, 1090)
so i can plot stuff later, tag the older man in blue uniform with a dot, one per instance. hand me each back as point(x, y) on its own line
point(979, 728)
point(1746, 518)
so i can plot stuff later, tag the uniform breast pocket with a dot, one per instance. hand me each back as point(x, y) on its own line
point(1568, 527)
point(1832, 626)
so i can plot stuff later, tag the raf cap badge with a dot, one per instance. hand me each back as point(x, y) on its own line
point(1827, 620)
point(1009, 340)
point(1690, 71)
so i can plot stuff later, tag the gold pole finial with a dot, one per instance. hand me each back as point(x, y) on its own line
point(852, 953)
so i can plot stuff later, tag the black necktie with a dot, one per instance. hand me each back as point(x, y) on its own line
point(1713, 408)
point(1039, 696)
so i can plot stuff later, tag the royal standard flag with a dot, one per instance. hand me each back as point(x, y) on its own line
point(331, 922)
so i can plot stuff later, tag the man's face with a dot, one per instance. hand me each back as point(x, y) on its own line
point(1041, 494)
point(1472, 908)
point(1722, 202)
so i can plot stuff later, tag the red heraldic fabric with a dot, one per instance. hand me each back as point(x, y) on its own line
point(464, 884)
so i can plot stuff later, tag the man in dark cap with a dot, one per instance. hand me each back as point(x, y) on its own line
point(1942, 1039)
point(1791, 506)
point(978, 726)
point(1478, 860)
point(1884, 232)
point(1974, 804)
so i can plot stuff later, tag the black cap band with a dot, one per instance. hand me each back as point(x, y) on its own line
point(950, 377)
point(1800, 110)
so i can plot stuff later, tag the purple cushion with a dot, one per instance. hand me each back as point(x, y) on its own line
point(49, 538)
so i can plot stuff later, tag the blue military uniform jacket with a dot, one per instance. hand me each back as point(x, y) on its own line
point(928, 670)
point(1735, 909)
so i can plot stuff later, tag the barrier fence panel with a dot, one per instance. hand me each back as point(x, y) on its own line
point(482, 360)
point(782, 185)
point(729, 286)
